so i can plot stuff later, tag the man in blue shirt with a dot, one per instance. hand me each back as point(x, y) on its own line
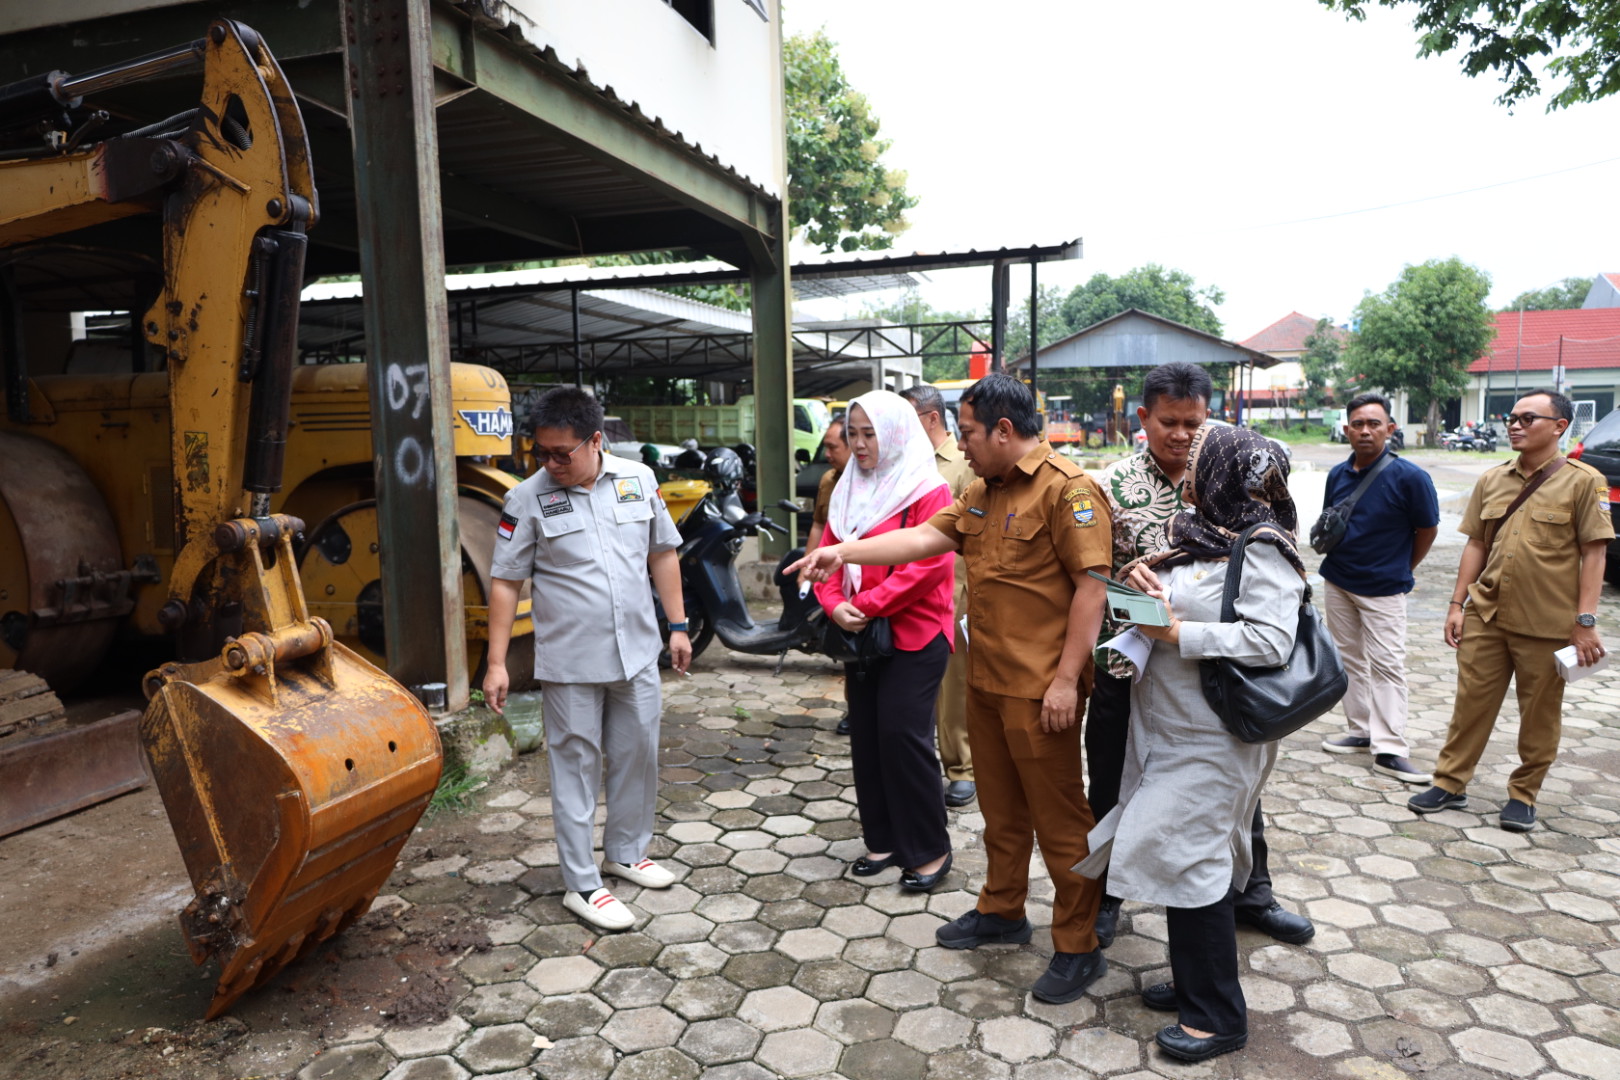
point(1368, 576)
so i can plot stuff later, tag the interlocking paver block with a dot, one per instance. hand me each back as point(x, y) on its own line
point(1513, 1014)
point(568, 1016)
point(630, 988)
point(903, 989)
point(1015, 1039)
point(933, 1030)
point(432, 1068)
point(662, 1064)
point(433, 1039)
point(716, 1042)
point(882, 1059)
point(1101, 1050)
point(1583, 1057)
point(1317, 1035)
point(634, 1030)
point(801, 1052)
point(506, 1046)
point(857, 921)
point(814, 943)
point(777, 1008)
point(916, 930)
point(564, 975)
point(1495, 1050)
point(878, 954)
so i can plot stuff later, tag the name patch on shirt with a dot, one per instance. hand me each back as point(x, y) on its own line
point(629, 489)
point(505, 529)
point(975, 511)
point(553, 503)
point(1085, 514)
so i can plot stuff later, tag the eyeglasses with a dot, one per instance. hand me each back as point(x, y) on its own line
point(555, 458)
point(1524, 419)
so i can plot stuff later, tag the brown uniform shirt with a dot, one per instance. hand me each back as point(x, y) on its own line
point(824, 490)
point(953, 466)
point(1023, 539)
point(1531, 580)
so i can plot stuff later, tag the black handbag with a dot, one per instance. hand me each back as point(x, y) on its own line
point(869, 644)
point(1265, 704)
point(1330, 527)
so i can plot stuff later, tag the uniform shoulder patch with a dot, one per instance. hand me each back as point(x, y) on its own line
point(1082, 507)
point(507, 526)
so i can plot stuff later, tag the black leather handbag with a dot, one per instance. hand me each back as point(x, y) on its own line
point(869, 644)
point(1265, 704)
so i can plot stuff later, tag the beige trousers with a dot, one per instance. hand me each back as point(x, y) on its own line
point(1371, 634)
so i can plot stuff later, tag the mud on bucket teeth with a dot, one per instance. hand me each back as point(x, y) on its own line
point(293, 772)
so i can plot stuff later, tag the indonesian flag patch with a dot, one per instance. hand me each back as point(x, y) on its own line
point(504, 529)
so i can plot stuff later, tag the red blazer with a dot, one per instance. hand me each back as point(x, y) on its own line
point(917, 597)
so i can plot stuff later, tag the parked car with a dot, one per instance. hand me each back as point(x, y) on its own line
point(1600, 448)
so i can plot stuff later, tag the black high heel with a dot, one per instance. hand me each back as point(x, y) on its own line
point(864, 867)
point(911, 881)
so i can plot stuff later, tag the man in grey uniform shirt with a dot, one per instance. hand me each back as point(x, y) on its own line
point(588, 529)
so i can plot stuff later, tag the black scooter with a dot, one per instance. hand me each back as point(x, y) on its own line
point(711, 535)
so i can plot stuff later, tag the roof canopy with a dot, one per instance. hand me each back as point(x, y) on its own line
point(1137, 339)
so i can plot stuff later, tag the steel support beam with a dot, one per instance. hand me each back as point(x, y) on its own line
point(773, 383)
point(560, 110)
point(390, 90)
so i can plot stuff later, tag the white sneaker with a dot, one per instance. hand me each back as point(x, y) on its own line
point(601, 909)
point(646, 873)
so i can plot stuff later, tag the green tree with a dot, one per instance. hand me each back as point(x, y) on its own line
point(1582, 38)
point(1420, 334)
point(840, 193)
point(1171, 294)
point(1051, 325)
point(1565, 296)
point(1323, 363)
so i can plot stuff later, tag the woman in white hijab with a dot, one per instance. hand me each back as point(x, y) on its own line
point(891, 482)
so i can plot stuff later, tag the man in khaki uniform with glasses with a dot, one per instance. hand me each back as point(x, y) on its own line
point(1527, 586)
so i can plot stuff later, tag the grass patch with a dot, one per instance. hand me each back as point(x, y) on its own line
point(455, 790)
point(1294, 434)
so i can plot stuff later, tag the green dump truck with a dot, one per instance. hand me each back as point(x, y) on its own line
point(722, 425)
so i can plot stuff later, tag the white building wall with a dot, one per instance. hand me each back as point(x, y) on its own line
point(725, 96)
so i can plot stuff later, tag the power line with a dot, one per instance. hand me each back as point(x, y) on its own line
point(1430, 198)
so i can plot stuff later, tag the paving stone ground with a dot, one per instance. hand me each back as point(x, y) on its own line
point(1445, 946)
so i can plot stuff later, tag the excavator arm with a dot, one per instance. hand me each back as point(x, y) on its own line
point(291, 769)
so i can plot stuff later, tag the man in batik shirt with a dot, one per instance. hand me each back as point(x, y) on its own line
point(1144, 493)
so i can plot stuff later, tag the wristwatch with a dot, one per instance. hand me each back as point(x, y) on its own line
point(1586, 619)
point(680, 627)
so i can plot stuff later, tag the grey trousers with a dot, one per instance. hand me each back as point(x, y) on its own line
point(589, 725)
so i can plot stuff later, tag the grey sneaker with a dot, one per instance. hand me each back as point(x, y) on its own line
point(1347, 744)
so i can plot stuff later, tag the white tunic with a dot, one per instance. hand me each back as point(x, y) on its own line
point(1180, 834)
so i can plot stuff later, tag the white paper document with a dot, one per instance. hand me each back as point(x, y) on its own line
point(1569, 665)
point(1133, 645)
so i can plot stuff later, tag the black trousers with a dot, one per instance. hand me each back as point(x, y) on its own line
point(1204, 964)
point(1108, 725)
point(891, 741)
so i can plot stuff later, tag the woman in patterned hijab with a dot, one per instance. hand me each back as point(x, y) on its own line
point(1235, 478)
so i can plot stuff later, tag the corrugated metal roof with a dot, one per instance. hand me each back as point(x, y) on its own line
point(1580, 338)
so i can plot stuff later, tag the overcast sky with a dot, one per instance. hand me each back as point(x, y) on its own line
point(1206, 135)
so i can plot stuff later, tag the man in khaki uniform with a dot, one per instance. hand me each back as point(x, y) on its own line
point(1029, 530)
point(951, 708)
point(1527, 585)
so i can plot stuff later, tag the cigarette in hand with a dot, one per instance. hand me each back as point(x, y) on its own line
point(804, 590)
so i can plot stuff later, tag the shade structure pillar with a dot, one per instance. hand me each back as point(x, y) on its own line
point(773, 382)
point(396, 166)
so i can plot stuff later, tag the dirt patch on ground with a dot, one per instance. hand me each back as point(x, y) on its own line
point(96, 982)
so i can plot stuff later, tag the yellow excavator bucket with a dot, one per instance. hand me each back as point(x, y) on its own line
point(293, 772)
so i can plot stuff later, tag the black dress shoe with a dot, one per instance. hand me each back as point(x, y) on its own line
point(865, 867)
point(1107, 921)
point(1068, 976)
point(911, 881)
point(1278, 922)
point(1174, 1041)
point(843, 726)
point(1160, 996)
point(960, 792)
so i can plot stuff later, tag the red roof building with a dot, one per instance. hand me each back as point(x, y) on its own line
point(1577, 340)
point(1285, 338)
